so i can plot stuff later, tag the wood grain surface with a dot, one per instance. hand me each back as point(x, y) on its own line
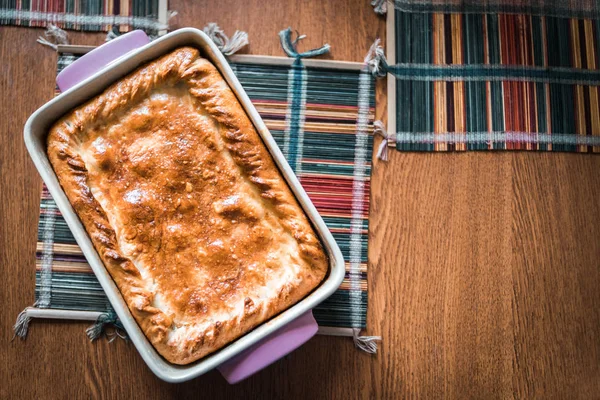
point(484, 275)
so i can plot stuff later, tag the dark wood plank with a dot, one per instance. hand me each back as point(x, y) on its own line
point(484, 268)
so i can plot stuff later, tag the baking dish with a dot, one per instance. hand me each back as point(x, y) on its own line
point(89, 76)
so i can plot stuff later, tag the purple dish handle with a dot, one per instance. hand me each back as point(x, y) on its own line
point(266, 351)
point(269, 349)
point(99, 58)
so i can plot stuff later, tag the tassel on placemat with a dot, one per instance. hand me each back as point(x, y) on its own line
point(53, 37)
point(97, 329)
point(379, 6)
point(171, 14)
point(21, 326)
point(379, 129)
point(113, 33)
point(290, 46)
point(367, 344)
point(376, 61)
point(105, 320)
point(228, 46)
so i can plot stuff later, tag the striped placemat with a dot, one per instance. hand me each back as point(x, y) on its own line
point(87, 15)
point(555, 8)
point(323, 127)
point(494, 75)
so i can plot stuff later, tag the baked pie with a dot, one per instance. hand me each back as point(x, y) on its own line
point(185, 206)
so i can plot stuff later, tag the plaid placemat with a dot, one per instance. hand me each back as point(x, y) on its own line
point(495, 75)
point(322, 120)
point(556, 8)
point(86, 15)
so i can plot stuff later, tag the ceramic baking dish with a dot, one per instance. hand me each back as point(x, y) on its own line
point(89, 76)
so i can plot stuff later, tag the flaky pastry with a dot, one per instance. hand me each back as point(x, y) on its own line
point(185, 206)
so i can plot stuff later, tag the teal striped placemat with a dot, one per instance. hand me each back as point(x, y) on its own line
point(87, 15)
point(327, 138)
point(495, 75)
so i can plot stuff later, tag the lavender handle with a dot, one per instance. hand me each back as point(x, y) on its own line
point(270, 349)
point(99, 58)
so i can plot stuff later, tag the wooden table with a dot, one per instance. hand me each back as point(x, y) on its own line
point(483, 268)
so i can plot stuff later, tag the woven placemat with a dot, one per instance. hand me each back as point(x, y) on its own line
point(494, 75)
point(320, 114)
point(87, 15)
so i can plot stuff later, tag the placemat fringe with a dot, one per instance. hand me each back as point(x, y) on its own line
point(21, 326)
point(105, 320)
point(102, 321)
point(375, 59)
point(388, 138)
point(53, 37)
point(379, 6)
point(113, 33)
point(367, 344)
point(290, 46)
point(227, 45)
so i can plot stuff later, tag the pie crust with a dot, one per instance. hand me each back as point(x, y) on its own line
point(185, 206)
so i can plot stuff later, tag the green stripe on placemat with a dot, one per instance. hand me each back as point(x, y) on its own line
point(332, 159)
point(84, 15)
point(497, 76)
point(558, 8)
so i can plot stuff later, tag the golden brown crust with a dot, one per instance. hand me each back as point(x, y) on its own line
point(185, 206)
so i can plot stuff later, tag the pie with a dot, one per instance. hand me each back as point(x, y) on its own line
point(185, 206)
